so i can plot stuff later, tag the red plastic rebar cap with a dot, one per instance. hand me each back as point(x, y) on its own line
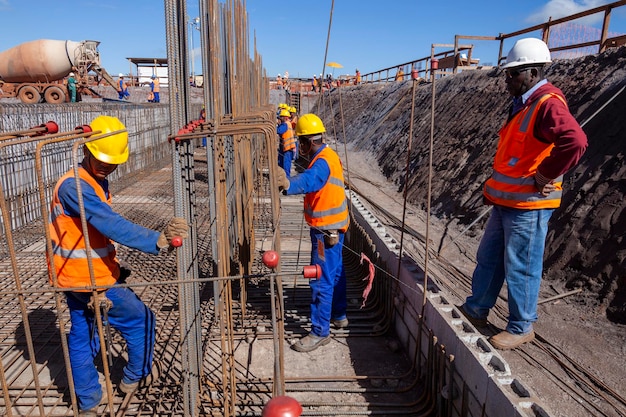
point(434, 64)
point(270, 259)
point(312, 271)
point(51, 127)
point(177, 241)
point(282, 406)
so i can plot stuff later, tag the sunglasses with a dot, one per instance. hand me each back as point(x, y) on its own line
point(515, 73)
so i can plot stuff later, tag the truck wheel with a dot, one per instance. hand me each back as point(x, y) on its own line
point(54, 95)
point(29, 95)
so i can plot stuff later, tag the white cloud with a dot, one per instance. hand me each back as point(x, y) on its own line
point(556, 9)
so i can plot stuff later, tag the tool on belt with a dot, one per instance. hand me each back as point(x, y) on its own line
point(100, 300)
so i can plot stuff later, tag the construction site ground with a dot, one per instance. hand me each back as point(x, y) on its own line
point(580, 331)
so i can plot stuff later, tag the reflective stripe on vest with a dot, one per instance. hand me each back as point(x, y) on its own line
point(288, 139)
point(68, 243)
point(327, 208)
point(519, 153)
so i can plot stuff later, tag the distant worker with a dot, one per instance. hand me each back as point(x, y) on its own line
point(357, 77)
point(326, 212)
point(400, 74)
point(314, 84)
point(122, 93)
point(539, 142)
point(155, 88)
point(294, 121)
point(203, 119)
point(279, 81)
point(71, 87)
point(282, 406)
point(125, 311)
point(287, 142)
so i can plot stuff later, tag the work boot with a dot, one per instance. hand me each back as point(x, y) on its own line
point(129, 388)
point(310, 342)
point(506, 341)
point(339, 323)
point(478, 323)
point(92, 412)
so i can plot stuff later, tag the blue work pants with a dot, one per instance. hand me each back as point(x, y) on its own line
point(511, 249)
point(131, 317)
point(328, 294)
point(284, 161)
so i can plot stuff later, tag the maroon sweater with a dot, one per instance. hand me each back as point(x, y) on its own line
point(555, 124)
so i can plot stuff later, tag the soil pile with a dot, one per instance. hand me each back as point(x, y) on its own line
point(586, 245)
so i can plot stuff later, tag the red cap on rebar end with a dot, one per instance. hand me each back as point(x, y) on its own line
point(434, 64)
point(282, 406)
point(270, 259)
point(84, 128)
point(312, 271)
point(51, 127)
point(177, 241)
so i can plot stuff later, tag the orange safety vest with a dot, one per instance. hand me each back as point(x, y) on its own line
point(156, 88)
point(327, 208)
point(68, 243)
point(519, 153)
point(288, 139)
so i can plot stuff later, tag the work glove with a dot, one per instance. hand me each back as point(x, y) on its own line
point(176, 227)
point(283, 182)
point(331, 238)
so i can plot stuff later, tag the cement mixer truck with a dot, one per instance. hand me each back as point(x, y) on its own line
point(34, 71)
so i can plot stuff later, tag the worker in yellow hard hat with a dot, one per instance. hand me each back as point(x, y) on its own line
point(69, 266)
point(326, 212)
point(286, 142)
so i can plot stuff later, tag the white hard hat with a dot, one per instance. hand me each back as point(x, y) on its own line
point(121, 75)
point(528, 51)
point(71, 74)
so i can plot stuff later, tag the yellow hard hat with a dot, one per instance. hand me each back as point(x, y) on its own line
point(292, 109)
point(282, 106)
point(110, 149)
point(284, 112)
point(309, 124)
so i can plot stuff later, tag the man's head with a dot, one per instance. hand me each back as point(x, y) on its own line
point(524, 65)
point(309, 130)
point(108, 149)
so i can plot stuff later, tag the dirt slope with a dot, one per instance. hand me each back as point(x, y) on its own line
point(586, 245)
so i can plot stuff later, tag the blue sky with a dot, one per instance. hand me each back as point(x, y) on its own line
point(292, 37)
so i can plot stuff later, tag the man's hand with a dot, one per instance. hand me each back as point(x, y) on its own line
point(283, 182)
point(544, 185)
point(176, 227)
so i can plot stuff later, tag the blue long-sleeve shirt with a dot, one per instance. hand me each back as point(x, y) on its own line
point(312, 179)
point(282, 128)
point(101, 216)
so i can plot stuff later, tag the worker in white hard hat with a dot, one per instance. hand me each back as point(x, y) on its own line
point(155, 88)
point(539, 142)
point(93, 283)
point(122, 91)
point(71, 87)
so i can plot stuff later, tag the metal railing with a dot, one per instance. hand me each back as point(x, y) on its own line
point(602, 41)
